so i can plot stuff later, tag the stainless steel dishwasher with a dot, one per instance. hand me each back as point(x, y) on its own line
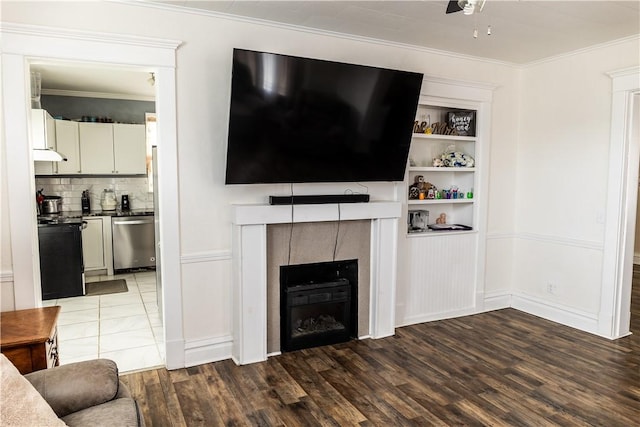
point(133, 242)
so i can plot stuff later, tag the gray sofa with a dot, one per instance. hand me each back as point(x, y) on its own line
point(79, 394)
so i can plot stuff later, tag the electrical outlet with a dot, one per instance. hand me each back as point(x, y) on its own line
point(552, 288)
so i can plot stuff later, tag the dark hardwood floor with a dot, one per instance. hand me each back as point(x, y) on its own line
point(503, 368)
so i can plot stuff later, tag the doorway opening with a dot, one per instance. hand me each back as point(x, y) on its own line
point(125, 326)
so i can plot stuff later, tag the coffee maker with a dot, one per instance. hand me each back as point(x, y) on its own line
point(124, 204)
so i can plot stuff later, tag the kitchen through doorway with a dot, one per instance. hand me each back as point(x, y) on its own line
point(126, 327)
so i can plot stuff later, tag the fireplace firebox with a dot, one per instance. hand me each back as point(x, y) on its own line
point(318, 304)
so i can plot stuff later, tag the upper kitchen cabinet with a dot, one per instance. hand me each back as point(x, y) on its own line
point(68, 143)
point(96, 148)
point(61, 136)
point(129, 149)
point(107, 149)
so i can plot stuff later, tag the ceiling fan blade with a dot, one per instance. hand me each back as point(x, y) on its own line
point(453, 6)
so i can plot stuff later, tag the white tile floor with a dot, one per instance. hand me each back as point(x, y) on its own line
point(124, 327)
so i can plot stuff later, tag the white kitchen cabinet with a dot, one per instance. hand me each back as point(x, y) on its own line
point(96, 244)
point(129, 149)
point(43, 134)
point(96, 148)
point(107, 149)
point(68, 143)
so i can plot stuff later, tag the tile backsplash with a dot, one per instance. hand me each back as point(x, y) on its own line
point(71, 190)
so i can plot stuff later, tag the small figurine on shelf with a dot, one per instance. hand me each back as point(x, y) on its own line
point(442, 219)
point(417, 187)
point(421, 189)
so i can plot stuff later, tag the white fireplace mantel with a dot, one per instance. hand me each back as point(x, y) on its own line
point(250, 266)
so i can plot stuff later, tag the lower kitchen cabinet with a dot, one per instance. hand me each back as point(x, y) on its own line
point(96, 244)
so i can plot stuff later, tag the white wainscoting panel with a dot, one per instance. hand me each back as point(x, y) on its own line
point(206, 279)
point(7, 296)
point(442, 280)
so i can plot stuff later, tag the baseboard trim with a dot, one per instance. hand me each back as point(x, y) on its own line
point(198, 352)
point(430, 317)
point(496, 300)
point(568, 316)
point(174, 358)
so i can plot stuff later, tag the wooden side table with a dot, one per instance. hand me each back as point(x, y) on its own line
point(29, 338)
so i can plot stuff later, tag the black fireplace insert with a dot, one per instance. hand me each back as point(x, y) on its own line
point(318, 304)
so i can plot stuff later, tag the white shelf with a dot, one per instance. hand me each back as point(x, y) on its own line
point(439, 201)
point(440, 169)
point(443, 137)
point(431, 233)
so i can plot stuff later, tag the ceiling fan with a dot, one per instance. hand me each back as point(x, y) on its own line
point(468, 7)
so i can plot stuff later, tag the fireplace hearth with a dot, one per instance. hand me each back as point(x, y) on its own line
point(318, 304)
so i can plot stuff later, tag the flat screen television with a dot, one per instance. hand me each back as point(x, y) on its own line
point(295, 120)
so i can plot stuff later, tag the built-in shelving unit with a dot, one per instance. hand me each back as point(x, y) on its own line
point(441, 273)
point(455, 186)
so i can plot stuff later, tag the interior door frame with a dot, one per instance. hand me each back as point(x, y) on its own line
point(22, 44)
point(624, 161)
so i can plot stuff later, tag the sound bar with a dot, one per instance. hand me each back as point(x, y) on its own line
point(318, 199)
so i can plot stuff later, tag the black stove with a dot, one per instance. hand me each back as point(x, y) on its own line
point(61, 264)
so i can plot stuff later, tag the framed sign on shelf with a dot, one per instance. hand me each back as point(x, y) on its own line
point(463, 122)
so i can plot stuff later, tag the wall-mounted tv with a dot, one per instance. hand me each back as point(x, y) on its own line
point(295, 120)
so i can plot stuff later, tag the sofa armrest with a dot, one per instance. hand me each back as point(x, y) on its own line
point(71, 388)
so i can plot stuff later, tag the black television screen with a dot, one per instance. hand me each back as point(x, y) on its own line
point(295, 120)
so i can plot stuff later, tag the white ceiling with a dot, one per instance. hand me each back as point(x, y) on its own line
point(65, 78)
point(521, 32)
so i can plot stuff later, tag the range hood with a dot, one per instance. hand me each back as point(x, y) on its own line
point(42, 134)
point(48, 155)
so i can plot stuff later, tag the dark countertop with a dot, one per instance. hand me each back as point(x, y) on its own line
point(132, 212)
point(76, 216)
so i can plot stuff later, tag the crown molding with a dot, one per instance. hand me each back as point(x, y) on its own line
point(66, 33)
point(300, 28)
point(581, 51)
point(625, 72)
point(463, 83)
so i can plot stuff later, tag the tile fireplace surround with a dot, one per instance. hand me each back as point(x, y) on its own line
point(250, 266)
